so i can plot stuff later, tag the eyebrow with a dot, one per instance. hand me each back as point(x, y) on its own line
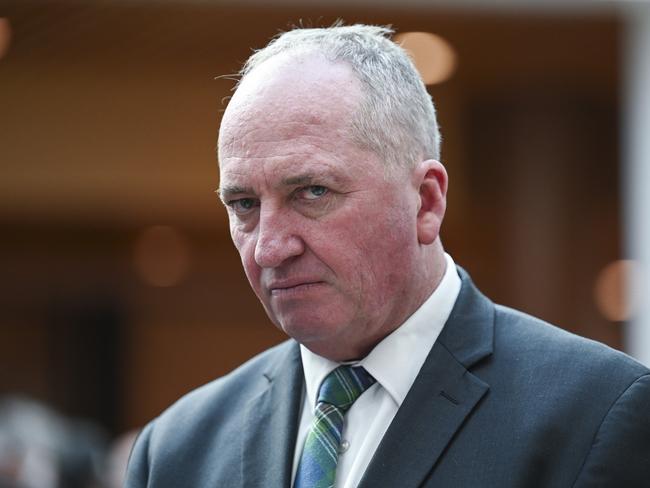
point(312, 179)
point(227, 191)
point(299, 180)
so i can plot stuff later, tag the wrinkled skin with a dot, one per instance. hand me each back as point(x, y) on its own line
point(338, 253)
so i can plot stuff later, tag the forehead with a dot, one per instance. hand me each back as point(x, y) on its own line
point(290, 116)
point(289, 94)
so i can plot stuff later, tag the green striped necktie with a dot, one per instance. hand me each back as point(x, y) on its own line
point(339, 390)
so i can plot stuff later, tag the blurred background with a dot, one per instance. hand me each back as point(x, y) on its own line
point(119, 287)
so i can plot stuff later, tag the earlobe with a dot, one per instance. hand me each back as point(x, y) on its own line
point(432, 178)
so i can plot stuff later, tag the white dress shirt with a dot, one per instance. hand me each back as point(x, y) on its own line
point(394, 363)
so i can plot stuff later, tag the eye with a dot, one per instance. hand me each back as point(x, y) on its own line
point(313, 192)
point(243, 206)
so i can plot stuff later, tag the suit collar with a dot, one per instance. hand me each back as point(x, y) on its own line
point(271, 422)
point(469, 332)
point(442, 397)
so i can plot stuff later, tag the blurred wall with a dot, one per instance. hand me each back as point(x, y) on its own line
point(108, 127)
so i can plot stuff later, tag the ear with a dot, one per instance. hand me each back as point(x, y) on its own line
point(431, 181)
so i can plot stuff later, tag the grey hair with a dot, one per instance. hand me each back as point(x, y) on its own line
point(396, 117)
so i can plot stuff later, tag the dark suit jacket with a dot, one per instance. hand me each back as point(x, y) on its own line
point(503, 400)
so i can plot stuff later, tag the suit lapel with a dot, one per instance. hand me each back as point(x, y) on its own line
point(271, 424)
point(443, 395)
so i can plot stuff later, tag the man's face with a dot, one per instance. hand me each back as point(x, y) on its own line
point(328, 243)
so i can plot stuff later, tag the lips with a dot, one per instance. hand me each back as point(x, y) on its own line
point(293, 286)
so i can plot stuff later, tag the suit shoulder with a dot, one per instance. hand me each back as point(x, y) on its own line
point(177, 448)
point(225, 394)
point(544, 344)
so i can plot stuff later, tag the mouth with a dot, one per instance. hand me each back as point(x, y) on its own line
point(294, 288)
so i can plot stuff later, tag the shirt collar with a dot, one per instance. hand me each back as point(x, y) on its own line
point(396, 360)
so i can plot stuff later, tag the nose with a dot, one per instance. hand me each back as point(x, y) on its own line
point(278, 239)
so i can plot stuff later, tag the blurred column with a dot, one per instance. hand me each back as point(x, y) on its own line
point(636, 179)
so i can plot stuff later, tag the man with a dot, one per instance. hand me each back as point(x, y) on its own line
point(329, 166)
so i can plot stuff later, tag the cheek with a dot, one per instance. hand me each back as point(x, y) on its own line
point(359, 250)
point(245, 245)
point(387, 247)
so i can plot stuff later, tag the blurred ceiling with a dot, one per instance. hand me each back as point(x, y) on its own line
point(556, 6)
point(110, 109)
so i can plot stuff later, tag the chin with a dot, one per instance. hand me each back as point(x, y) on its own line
point(309, 331)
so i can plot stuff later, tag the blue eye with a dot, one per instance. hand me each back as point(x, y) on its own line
point(243, 205)
point(314, 192)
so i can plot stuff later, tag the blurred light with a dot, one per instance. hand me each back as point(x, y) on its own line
point(612, 291)
point(5, 36)
point(161, 256)
point(432, 55)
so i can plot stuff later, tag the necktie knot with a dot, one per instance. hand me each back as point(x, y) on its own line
point(344, 385)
